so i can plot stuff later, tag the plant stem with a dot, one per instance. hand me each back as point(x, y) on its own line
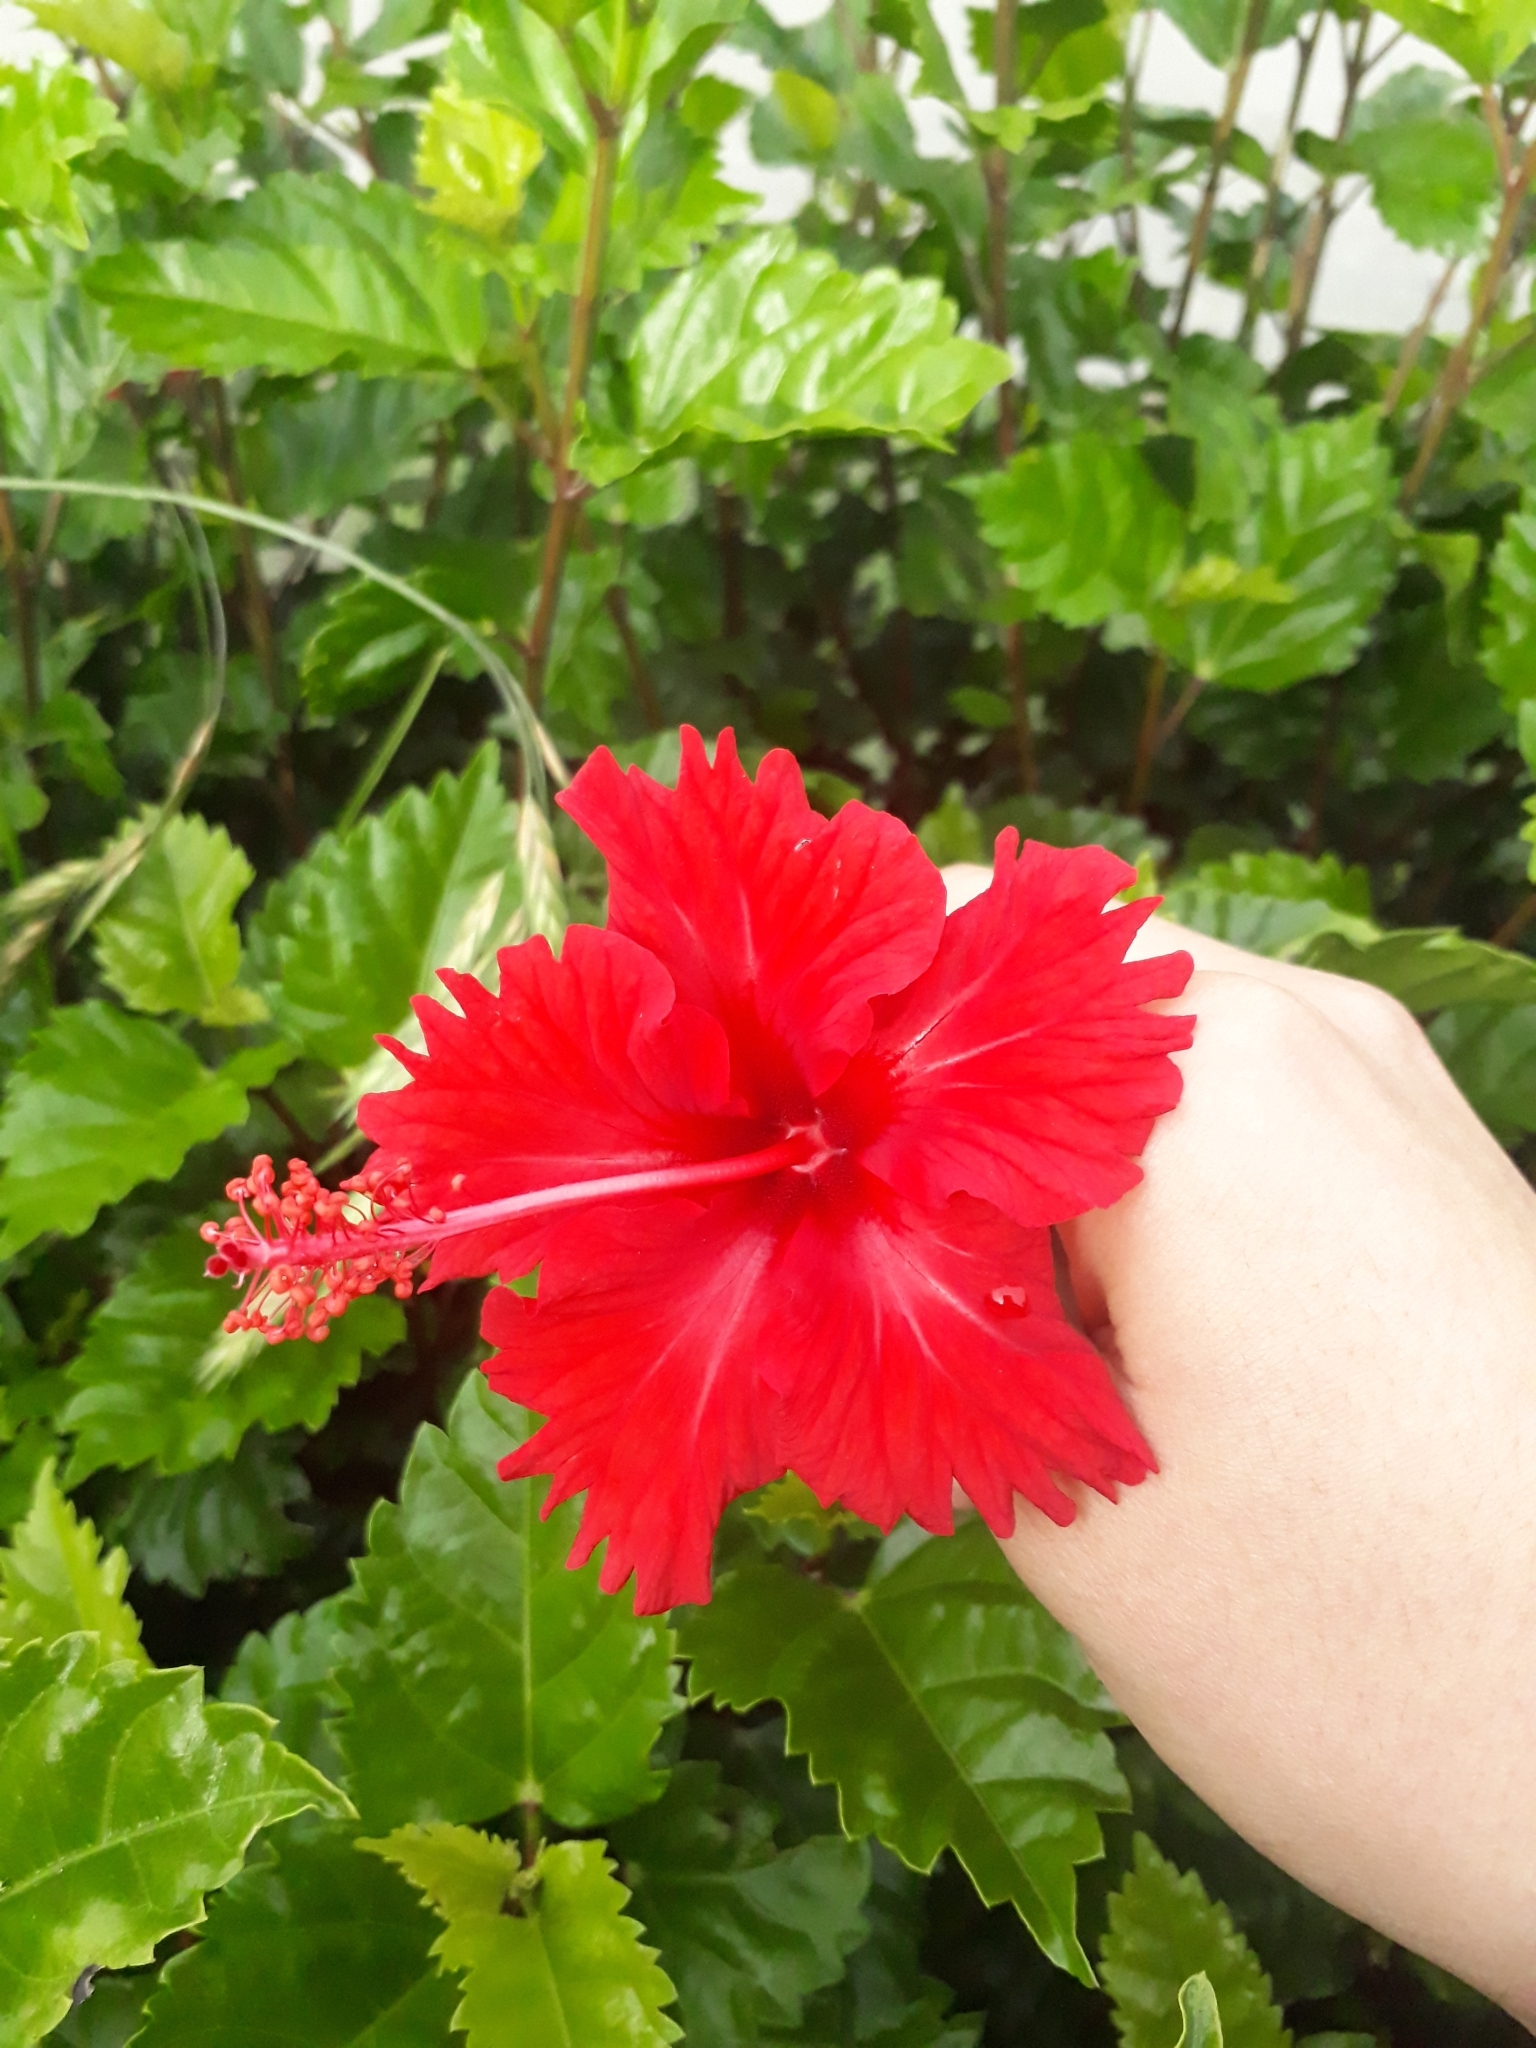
point(640, 679)
point(1321, 213)
point(1408, 354)
point(1237, 82)
point(1450, 388)
point(1147, 736)
point(1516, 922)
point(1279, 164)
point(1005, 68)
point(568, 487)
point(18, 574)
point(1128, 220)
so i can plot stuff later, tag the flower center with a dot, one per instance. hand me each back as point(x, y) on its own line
point(304, 1251)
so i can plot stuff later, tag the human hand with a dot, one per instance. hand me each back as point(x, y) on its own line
point(1322, 1613)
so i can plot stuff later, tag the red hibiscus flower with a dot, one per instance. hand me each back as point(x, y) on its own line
point(784, 1143)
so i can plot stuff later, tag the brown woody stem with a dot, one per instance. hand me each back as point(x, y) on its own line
point(1237, 82)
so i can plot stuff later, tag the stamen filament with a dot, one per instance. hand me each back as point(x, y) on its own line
point(265, 1253)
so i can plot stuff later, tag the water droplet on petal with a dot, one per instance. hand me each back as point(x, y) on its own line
point(1009, 1301)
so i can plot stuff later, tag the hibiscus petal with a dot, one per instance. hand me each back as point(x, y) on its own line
point(919, 1348)
point(1022, 1066)
point(641, 1350)
point(580, 1067)
point(783, 923)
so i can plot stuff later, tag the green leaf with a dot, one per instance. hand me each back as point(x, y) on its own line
point(47, 121)
point(168, 940)
point(1509, 638)
point(98, 1103)
point(54, 1580)
point(223, 1521)
point(551, 1945)
point(126, 1798)
point(311, 451)
point(158, 1381)
point(786, 1511)
point(291, 1675)
point(307, 273)
point(1083, 527)
point(1503, 397)
point(482, 1672)
point(58, 360)
point(1429, 157)
point(475, 159)
point(109, 2016)
point(946, 1705)
point(1275, 903)
point(124, 33)
point(362, 924)
point(1430, 970)
point(1163, 1930)
point(1490, 1050)
point(1318, 523)
point(763, 340)
point(1483, 36)
point(317, 1947)
point(952, 831)
point(1216, 27)
point(810, 110)
point(1199, 2012)
point(745, 1933)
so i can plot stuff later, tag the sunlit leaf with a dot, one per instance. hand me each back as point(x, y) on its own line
point(1483, 36)
point(551, 1944)
point(158, 1381)
point(305, 273)
point(1430, 160)
point(762, 340)
point(126, 1798)
point(317, 1947)
point(122, 31)
point(54, 1580)
point(474, 158)
point(480, 1672)
point(946, 1706)
point(168, 940)
point(1163, 1930)
point(47, 122)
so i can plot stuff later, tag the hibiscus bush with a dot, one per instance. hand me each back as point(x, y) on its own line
point(399, 403)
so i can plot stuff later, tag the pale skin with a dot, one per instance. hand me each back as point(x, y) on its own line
point(1321, 1303)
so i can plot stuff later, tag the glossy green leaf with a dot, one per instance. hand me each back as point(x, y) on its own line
point(745, 1933)
point(47, 122)
point(291, 1675)
point(108, 2016)
point(1430, 970)
point(1483, 36)
point(98, 1103)
point(317, 1947)
point(168, 940)
point(58, 360)
point(158, 1381)
point(484, 1673)
point(1430, 160)
point(364, 922)
point(551, 1945)
point(1317, 523)
point(1509, 638)
point(943, 1702)
point(224, 1521)
point(122, 31)
point(475, 159)
point(1163, 1930)
point(761, 340)
point(125, 1799)
point(306, 273)
point(1084, 528)
point(55, 1582)
point(1200, 2014)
